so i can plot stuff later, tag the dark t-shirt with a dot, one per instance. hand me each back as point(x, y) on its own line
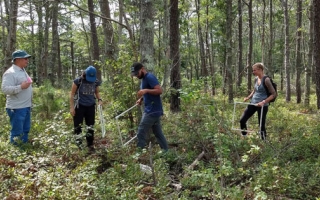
point(152, 103)
point(86, 91)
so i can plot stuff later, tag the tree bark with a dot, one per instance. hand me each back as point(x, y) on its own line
point(240, 48)
point(263, 31)
point(310, 62)
point(299, 65)
point(12, 32)
point(270, 57)
point(164, 43)
point(229, 51)
point(316, 7)
point(175, 78)
point(249, 56)
point(94, 40)
point(201, 42)
point(55, 45)
point(147, 34)
point(287, 51)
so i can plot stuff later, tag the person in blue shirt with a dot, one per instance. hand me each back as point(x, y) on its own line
point(149, 93)
point(84, 92)
point(259, 98)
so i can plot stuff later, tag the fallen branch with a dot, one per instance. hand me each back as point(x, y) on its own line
point(196, 161)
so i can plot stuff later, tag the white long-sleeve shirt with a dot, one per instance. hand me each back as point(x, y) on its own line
point(11, 86)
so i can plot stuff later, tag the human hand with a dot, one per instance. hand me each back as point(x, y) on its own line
point(246, 99)
point(140, 93)
point(72, 112)
point(25, 85)
point(260, 104)
point(139, 101)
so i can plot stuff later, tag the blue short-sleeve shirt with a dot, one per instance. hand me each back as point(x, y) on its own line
point(152, 103)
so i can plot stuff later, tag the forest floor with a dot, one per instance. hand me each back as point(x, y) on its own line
point(208, 157)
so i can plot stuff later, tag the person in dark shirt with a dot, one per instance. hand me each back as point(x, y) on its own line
point(84, 92)
point(149, 93)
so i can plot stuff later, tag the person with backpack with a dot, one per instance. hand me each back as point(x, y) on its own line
point(17, 86)
point(83, 96)
point(261, 96)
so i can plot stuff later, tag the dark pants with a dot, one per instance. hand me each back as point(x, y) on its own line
point(88, 114)
point(250, 110)
point(147, 123)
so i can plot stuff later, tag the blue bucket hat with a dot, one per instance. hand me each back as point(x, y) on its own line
point(91, 74)
point(20, 54)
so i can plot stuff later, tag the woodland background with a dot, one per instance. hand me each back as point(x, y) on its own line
point(202, 52)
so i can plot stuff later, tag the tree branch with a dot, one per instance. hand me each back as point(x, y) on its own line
point(84, 10)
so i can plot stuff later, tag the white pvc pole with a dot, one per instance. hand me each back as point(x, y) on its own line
point(261, 119)
point(233, 116)
point(102, 121)
point(126, 111)
point(117, 117)
point(130, 140)
point(119, 131)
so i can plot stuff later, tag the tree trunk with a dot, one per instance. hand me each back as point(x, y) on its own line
point(164, 43)
point(249, 57)
point(208, 49)
point(270, 57)
point(94, 39)
point(287, 51)
point(73, 68)
point(316, 7)
point(33, 45)
point(299, 66)
point(204, 71)
point(240, 65)
point(45, 50)
point(3, 36)
point(55, 44)
point(12, 33)
point(229, 51)
point(109, 42)
point(263, 30)
point(310, 63)
point(39, 51)
point(147, 34)
point(109, 45)
point(175, 78)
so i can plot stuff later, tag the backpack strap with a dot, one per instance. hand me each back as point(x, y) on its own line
point(77, 96)
point(263, 81)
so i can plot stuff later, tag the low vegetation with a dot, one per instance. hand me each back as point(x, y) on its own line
point(207, 158)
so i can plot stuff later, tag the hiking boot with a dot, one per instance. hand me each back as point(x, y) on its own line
point(92, 149)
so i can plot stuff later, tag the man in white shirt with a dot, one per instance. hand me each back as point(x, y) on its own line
point(16, 85)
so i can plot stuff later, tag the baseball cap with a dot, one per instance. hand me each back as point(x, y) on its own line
point(91, 74)
point(135, 68)
point(20, 54)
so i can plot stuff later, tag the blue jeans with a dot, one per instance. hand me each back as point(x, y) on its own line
point(20, 120)
point(146, 123)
